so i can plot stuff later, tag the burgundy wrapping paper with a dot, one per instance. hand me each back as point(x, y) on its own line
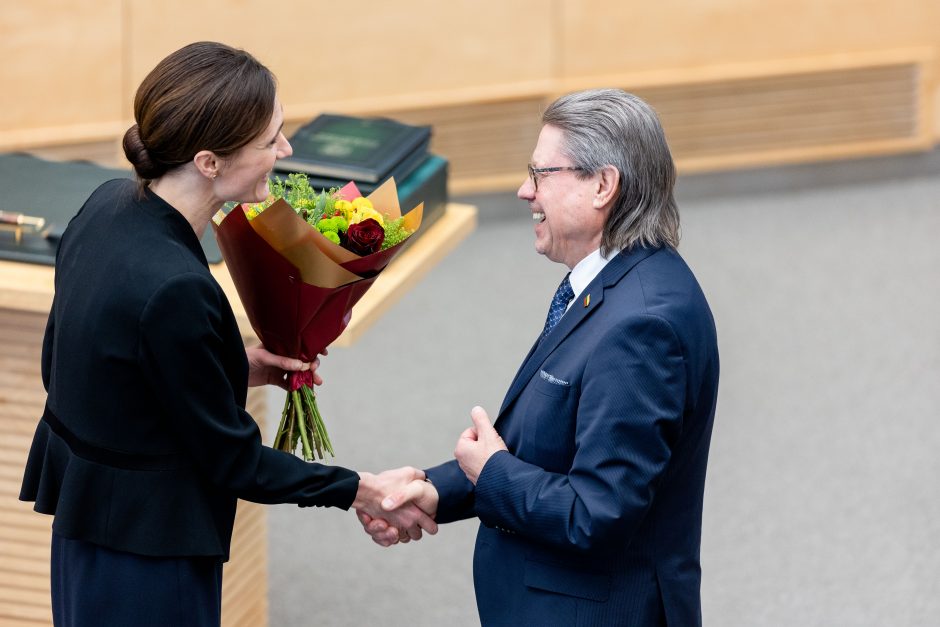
point(289, 316)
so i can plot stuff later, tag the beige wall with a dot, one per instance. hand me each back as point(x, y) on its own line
point(360, 52)
point(682, 33)
point(71, 68)
point(62, 71)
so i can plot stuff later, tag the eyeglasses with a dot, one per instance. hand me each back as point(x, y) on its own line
point(534, 172)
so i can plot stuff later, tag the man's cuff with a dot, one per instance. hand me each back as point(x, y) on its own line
point(454, 491)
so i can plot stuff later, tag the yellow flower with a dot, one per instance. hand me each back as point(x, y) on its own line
point(344, 207)
point(364, 213)
point(361, 202)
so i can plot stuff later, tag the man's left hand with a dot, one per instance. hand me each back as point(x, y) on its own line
point(477, 444)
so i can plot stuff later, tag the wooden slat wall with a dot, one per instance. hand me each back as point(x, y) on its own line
point(25, 535)
point(245, 576)
point(454, 63)
point(782, 114)
point(793, 116)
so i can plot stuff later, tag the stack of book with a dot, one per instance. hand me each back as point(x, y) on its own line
point(334, 149)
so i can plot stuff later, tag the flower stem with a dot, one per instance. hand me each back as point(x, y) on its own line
point(281, 433)
point(304, 440)
point(311, 398)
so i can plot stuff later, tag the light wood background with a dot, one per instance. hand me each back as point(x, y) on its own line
point(481, 70)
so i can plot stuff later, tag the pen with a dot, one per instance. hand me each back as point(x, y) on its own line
point(21, 219)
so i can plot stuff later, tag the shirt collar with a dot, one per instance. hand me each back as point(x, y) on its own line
point(586, 269)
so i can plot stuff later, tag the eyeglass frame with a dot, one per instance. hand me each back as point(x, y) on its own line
point(534, 171)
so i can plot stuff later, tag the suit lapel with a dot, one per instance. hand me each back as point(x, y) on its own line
point(585, 303)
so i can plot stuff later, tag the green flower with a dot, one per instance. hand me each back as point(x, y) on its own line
point(395, 233)
point(328, 225)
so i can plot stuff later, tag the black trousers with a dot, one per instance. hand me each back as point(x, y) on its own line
point(93, 586)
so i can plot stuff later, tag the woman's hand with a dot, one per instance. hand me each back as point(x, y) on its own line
point(265, 367)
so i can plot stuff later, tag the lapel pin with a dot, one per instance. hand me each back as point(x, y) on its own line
point(587, 300)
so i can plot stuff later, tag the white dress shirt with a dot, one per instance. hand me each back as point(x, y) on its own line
point(585, 271)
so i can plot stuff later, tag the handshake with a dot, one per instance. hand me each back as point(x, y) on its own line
point(400, 505)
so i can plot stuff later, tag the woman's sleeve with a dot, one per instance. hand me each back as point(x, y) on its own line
point(181, 353)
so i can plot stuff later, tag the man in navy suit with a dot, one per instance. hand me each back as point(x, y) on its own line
point(589, 489)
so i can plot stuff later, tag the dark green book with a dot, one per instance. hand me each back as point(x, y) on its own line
point(427, 184)
point(356, 149)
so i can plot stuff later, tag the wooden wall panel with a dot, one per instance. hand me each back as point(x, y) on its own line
point(75, 68)
point(245, 576)
point(62, 70)
point(24, 535)
point(798, 116)
point(598, 37)
point(355, 54)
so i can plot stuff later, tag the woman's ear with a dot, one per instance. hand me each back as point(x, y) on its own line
point(608, 184)
point(207, 163)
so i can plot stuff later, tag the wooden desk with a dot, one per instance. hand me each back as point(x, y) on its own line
point(25, 297)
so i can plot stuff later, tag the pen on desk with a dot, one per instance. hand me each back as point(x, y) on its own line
point(21, 219)
point(19, 222)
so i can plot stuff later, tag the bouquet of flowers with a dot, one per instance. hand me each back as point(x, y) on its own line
point(300, 261)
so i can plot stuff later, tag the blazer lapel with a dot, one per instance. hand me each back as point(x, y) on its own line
point(585, 303)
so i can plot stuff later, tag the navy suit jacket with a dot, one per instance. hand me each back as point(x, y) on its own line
point(594, 515)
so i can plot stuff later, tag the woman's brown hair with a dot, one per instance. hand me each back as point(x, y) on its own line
point(204, 96)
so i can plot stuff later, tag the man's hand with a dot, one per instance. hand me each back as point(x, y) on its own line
point(418, 492)
point(394, 506)
point(477, 444)
point(267, 368)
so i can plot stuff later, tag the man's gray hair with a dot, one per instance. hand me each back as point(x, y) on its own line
point(611, 127)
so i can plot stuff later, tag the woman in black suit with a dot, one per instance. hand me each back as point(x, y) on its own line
point(145, 445)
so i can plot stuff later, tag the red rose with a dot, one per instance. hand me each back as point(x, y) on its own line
point(364, 238)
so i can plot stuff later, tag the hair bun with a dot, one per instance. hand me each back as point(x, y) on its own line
point(137, 153)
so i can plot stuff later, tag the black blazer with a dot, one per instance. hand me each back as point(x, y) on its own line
point(145, 444)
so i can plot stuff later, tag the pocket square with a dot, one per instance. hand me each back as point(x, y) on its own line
point(552, 379)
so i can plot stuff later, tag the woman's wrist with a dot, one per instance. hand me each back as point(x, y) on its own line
point(367, 492)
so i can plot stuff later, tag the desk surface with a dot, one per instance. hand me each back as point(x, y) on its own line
point(28, 287)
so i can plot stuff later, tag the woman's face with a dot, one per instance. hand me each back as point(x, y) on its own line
point(244, 176)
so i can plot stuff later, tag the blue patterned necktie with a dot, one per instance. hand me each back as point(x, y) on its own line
point(556, 310)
